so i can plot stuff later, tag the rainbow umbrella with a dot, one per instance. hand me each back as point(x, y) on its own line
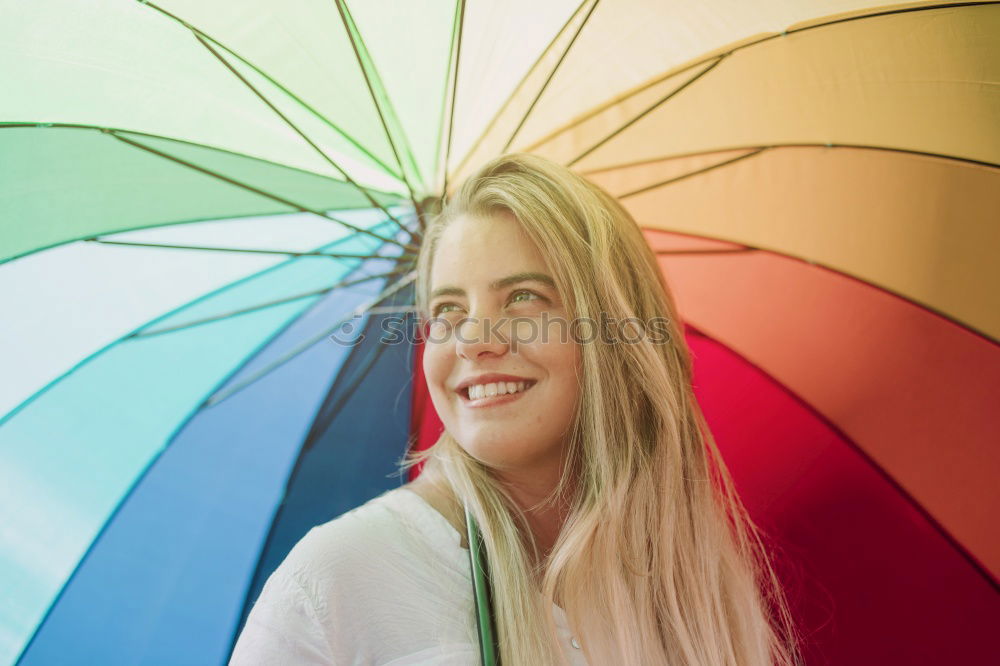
point(209, 216)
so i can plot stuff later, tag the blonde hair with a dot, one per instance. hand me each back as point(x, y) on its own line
point(658, 561)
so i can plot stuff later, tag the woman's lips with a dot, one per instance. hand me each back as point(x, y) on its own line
point(494, 400)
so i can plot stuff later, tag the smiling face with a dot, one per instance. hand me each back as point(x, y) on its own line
point(486, 273)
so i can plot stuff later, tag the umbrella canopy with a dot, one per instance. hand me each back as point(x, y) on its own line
point(210, 211)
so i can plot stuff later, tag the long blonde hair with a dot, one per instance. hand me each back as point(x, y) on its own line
point(658, 561)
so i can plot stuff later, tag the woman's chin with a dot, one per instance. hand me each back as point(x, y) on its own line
point(508, 451)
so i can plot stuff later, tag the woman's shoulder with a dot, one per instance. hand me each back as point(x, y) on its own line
point(389, 539)
point(377, 583)
point(347, 539)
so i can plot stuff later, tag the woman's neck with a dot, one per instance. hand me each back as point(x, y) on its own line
point(545, 516)
point(545, 519)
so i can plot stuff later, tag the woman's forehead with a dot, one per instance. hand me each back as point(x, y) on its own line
point(482, 247)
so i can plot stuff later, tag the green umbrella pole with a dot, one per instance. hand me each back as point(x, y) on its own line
point(485, 622)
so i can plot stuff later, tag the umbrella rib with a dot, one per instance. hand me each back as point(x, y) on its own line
point(388, 309)
point(255, 190)
point(353, 386)
point(952, 319)
point(329, 160)
point(305, 105)
point(298, 349)
point(268, 304)
point(673, 93)
point(291, 253)
point(578, 120)
point(700, 252)
point(689, 174)
point(855, 146)
point(355, 44)
point(503, 107)
point(549, 78)
point(111, 232)
point(942, 314)
point(457, 52)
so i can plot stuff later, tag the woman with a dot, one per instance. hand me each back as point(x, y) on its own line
point(556, 362)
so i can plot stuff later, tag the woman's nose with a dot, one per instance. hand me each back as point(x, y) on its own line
point(475, 336)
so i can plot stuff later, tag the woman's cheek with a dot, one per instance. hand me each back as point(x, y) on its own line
point(530, 333)
point(436, 368)
point(439, 331)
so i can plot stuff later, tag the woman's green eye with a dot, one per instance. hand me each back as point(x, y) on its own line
point(523, 292)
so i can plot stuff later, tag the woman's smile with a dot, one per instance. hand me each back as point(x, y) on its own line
point(494, 393)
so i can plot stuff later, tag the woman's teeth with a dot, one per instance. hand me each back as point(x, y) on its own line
point(497, 388)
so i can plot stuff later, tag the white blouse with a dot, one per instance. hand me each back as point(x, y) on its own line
point(385, 584)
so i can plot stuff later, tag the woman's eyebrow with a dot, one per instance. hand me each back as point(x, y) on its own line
point(498, 284)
